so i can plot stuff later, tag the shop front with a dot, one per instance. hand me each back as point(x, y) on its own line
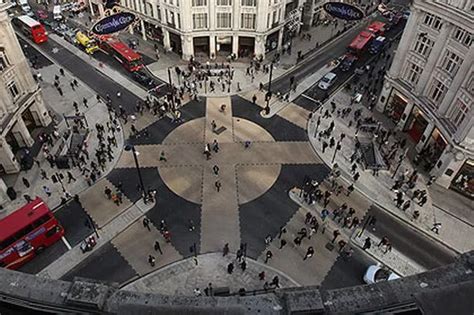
point(154, 32)
point(272, 42)
point(246, 46)
point(416, 124)
point(432, 150)
point(224, 45)
point(463, 182)
point(175, 43)
point(396, 106)
point(201, 46)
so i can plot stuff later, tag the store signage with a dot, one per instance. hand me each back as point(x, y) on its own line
point(343, 11)
point(113, 23)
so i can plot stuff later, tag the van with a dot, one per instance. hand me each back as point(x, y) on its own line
point(89, 44)
point(25, 7)
point(57, 16)
point(327, 81)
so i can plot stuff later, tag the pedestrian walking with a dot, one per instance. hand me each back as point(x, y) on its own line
point(61, 71)
point(215, 169)
point(70, 177)
point(282, 231)
point(26, 182)
point(350, 189)
point(335, 234)
point(230, 268)
point(356, 176)
point(146, 223)
point(207, 152)
point(406, 205)
point(261, 276)
point(282, 243)
point(225, 251)
point(436, 227)
point(108, 192)
point(47, 191)
point(218, 185)
point(162, 156)
point(309, 253)
point(43, 174)
point(84, 101)
point(243, 265)
point(239, 254)
point(213, 125)
point(341, 244)
point(367, 243)
point(151, 260)
point(158, 247)
point(268, 256)
point(215, 146)
point(275, 282)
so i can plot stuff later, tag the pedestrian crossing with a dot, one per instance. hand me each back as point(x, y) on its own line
point(137, 242)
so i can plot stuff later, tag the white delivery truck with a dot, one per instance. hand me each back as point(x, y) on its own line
point(25, 7)
point(57, 16)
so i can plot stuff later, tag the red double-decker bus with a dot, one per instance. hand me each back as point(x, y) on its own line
point(130, 60)
point(32, 28)
point(361, 42)
point(26, 232)
point(377, 28)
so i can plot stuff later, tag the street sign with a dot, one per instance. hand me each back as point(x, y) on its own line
point(113, 23)
point(343, 11)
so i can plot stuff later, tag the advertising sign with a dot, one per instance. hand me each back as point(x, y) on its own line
point(343, 11)
point(113, 23)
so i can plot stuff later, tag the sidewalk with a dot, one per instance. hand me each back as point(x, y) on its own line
point(453, 233)
point(61, 106)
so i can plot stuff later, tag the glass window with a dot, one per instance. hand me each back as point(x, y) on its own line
point(413, 73)
point(3, 62)
point(224, 20)
point(249, 3)
point(199, 20)
point(451, 62)
point(224, 2)
point(248, 21)
point(437, 91)
point(199, 3)
point(462, 36)
point(459, 112)
point(13, 89)
point(433, 21)
point(424, 45)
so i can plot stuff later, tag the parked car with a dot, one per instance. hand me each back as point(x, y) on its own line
point(348, 62)
point(41, 15)
point(70, 35)
point(66, 6)
point(142, 78)
point(377, 273)
point(328, 80)
point(78, 7)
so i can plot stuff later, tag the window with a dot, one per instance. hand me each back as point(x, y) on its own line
point(158, 13)
point(459, 113)
point(423, 45)
point(224, 20)
point(462, 36)
point(451, 62)
point(3, 62)
point(13, 89)
point(199, 3)
point(224, 2)
point(433, 21)
point(178, 18)
point(199, 20)
point(171, 18)
point(248, 21)
point(413, 73)
point(437, 91)
point(249, 3)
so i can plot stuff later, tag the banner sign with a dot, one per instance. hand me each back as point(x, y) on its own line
point(113, 23)
point(343, 11)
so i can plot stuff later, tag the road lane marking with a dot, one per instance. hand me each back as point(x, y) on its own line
point(66, 243)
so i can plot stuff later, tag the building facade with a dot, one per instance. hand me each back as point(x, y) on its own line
point(211, 28)
point(429, 89)
point(21, 104)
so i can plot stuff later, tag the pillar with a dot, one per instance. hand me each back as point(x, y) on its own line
point(91, 8)
point(166, 39)
point(425, 137)
point(260, 45)
point(384, 96)
point(22, 134)
point(40, 112)
point(8, 159)
point(280, 40)
point(188, 48)
point(212, 46)
point(142, 26)
point(235, 45)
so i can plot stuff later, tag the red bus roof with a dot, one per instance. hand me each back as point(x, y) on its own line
point(121, 48)
point(376, 27)
point(22, 217)
point(361, 40)
point(28, 21)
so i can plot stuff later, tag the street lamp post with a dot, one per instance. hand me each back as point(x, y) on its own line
point(131, 147)
point(400, 159)
point(318, 122)
point(170, 85)
point(268, 96)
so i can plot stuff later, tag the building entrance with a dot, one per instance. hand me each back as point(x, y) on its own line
point(246, 46)
point(416, 124)
point(223, 45)
point(396, 106)
point(201, 46)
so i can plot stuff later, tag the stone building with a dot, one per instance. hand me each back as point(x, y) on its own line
point(210, 28)
point(21, 104)
point(429, 89)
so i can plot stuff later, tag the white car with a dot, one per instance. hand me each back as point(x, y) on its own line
point(326, 82)
point(377, 273)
